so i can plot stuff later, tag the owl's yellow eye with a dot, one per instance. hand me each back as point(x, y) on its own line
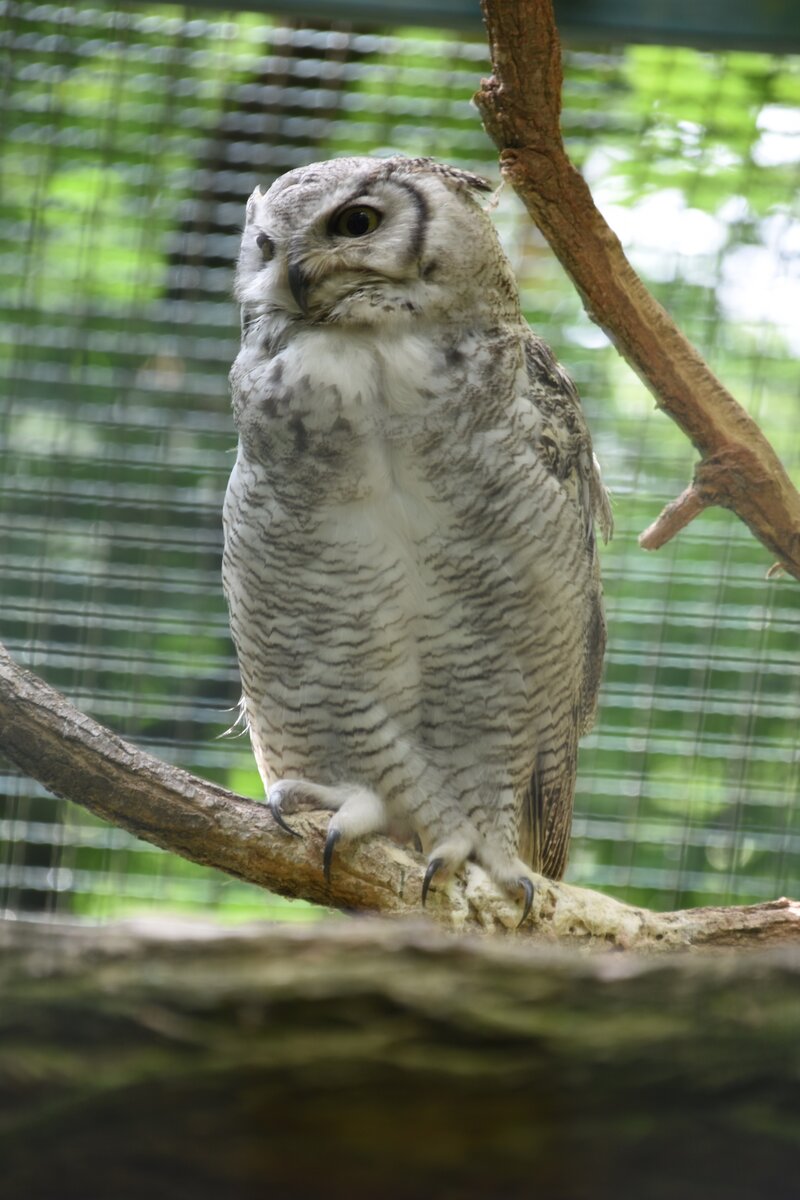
point(356, 222)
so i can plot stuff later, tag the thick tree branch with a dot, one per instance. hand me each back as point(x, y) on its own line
point(389, 1059)
point(74, 757)
point(520, 106)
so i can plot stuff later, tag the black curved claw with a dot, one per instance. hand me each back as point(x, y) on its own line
point(528, 889)
point(274, 804)
point(327, 855)
point(433, 866)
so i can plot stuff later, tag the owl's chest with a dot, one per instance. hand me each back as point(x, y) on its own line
point(342, 419)
point(395, 482)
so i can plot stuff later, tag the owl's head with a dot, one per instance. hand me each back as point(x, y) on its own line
point(366, 241)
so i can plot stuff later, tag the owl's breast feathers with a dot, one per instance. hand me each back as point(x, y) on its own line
point(435, 495)
point(446, 437)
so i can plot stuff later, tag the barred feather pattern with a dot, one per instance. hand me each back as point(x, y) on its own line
point(410, 560)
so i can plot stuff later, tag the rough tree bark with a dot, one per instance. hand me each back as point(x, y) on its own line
point(521, 106)
point(74, 757)
point(368, 1058)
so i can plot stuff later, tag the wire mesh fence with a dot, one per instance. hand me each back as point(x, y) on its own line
point(130, 140)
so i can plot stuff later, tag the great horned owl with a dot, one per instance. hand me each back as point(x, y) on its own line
point(410, 560)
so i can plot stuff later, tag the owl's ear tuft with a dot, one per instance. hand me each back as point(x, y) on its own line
point(456, 178)
point(466, 180)
point(250, 211)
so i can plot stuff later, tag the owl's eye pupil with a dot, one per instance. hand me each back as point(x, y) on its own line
point(356, 222)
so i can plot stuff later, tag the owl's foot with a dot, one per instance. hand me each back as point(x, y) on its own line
point(361, 813)
point(447, 859)
point(512, 875)
point(434, 865)
point(276, 797)
point(358, 811)
point(327, 854)
point(295, 795)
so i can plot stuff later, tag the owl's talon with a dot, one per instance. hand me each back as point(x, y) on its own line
point(327, 855)
point(274, 805)
point(433, 866)
point(528, 889)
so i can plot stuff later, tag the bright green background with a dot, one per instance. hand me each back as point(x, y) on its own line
point(129, 143)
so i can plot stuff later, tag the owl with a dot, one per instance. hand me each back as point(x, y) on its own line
point(410, 560)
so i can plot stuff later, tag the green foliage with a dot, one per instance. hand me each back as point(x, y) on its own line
point(699, 119)
point(117, 128)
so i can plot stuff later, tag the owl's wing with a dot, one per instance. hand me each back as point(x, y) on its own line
point(564, 444)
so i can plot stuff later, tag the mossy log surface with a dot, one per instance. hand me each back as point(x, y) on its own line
point(372, 1058)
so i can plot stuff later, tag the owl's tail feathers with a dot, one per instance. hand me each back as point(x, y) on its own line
point(530, 822)
point(546, 818)
point(557, 836)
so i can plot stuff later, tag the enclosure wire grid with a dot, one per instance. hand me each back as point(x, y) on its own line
point(130, 141)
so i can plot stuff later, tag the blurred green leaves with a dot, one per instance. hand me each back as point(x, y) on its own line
point(119, 128)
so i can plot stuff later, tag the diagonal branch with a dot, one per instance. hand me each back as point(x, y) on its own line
point(74, 757)
point(520, 106)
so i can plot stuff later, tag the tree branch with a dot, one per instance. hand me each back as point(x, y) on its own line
point(520, 106)
point(675, 517)
point(74, 757)
point(191, 1060)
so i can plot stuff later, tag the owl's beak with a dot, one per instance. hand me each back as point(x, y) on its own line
point(299, 284)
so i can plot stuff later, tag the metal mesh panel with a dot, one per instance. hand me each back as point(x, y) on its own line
point(130, 140)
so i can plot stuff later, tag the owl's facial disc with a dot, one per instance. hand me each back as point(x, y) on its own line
point(368, 243)
point(356, 258)
point(351, 223)
point(356, 242)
